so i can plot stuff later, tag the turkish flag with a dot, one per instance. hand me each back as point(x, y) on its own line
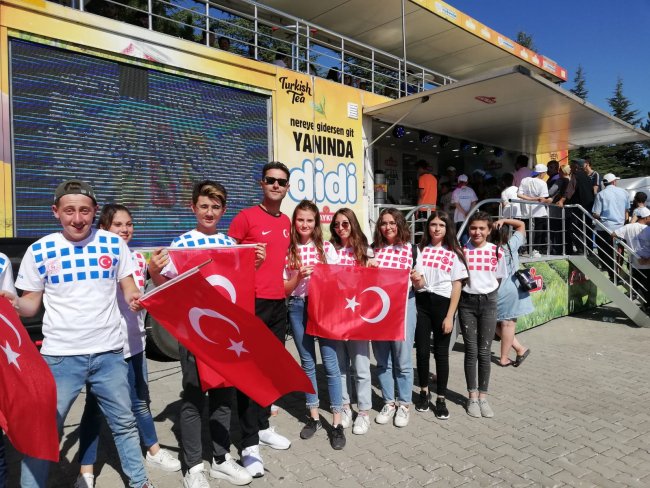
point(362, 303)
point(27, 391)
point(230, 340)
point(225, 270)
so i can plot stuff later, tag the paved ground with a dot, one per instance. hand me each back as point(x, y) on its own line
point(575, 413)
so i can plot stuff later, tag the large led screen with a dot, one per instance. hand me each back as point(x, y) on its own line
point(140, 136)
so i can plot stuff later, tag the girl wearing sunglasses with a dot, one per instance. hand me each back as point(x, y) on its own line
point(352, 247)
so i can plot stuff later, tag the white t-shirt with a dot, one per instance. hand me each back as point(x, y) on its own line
point(485, 268)
point(309, 256)
point(440, 268)
point(534, 187)
point(510, 210)
point(193, 239)
point(347, 257)
point(395, 257)
point(133, 322)
point(6, 275)
point(463, 196)
point(79, 282)
point(638, 240)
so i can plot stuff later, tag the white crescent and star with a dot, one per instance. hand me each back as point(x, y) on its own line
point(195, 315)
point(385, 304)
point(12, 356)
point(225, 283)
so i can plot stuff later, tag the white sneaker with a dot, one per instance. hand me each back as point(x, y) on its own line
point(269, 437)
point(346, 418)
point(361, 424)
point(386, 414)
point(402, 416)
point(163, 460)
point(85, 480)
point(252, 461)
point(195, 478)
point(230, 471)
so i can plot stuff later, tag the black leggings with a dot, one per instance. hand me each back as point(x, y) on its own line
point(432, 309)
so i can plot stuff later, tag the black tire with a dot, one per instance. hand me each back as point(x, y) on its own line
point(160, 343)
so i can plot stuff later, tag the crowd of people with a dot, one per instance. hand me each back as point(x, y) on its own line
point(94, 335)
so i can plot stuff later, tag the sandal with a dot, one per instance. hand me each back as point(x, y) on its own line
point(521, 359)
point(509, 363)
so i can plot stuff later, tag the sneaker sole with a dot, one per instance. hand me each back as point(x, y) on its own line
point(382, 421)
point(161, 467)
point(442, 417)
point(234, 481)
point(277, 447)
point(422, 409)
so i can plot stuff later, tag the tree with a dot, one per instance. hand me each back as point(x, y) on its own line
point(621, 106)
point(579, 88)
point(526, 40)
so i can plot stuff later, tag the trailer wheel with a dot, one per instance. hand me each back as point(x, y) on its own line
point(160, 343)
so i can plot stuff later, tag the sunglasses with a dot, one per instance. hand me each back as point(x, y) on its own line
point(269, 180)
point(343, 225)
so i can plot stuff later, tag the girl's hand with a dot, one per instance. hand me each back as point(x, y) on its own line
point(417, 279)
point(447, 325)
point(499, 223)
point(13, 299)
point(305, 271)
point(372, 263)
point(260, 254)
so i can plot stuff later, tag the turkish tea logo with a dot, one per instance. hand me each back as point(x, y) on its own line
point(296, 89)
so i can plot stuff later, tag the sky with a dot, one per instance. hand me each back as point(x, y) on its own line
point(608, 38)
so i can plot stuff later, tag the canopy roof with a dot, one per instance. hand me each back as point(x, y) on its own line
point(513, 109)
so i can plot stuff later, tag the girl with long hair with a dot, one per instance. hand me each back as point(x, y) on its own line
point(512, 301)
point(351, 245)
point(117, 218)
point(477, 310)
point(442, 268)
point(306, 249)
point(392, 249)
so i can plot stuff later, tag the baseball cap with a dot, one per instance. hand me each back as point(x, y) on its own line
point(74, 187)
point(609, 177)
point(462, 178)
point(642, 212)
point(566, 169)
point(579, 162)
point(451, 168)
point(539, 169)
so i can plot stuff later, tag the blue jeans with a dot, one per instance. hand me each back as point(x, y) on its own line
point(306, 346)
point(398, 355)
point(139, 393)
point(355, 355)
point(105, 375)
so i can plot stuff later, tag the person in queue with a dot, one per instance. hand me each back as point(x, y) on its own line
point(267, 225)
point(512, 301)
point(209, 200)
point(392, 249)
point(75, 273)
point(352, 247)
point(117, 219)
point(306, 249)
point(477, 311)
point(442, 269)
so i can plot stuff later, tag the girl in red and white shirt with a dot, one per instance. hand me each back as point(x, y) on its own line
point(477, 311)
point(351, 245)
point(306, 249)
point(392, 249)
point(442, 267)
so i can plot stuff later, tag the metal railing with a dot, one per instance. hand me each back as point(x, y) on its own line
point(263, 33)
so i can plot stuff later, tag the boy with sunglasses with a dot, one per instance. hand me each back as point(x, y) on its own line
point(265, 223)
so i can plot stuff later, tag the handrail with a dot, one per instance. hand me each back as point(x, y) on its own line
point(373, 69)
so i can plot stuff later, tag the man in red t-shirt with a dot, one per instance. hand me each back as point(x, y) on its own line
point(265, 223)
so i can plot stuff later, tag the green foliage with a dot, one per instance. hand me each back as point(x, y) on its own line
point(579, 84)
point(526, 40)
point(561, 267)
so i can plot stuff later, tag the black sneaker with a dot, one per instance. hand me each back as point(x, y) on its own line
point(310, 428)
point(337, 438)
point(422, 403)
point(441, 411)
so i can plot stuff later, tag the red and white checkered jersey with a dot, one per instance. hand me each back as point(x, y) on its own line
point(140, 272)
point(486, 265)
point(347, 257)
point(440, 267)
point(133, 322)
point(308, 257)
point(395, 257)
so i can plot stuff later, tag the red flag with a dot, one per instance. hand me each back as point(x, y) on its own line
point(28, 391)
point(232, 341)
point(224, 272)
point(368, 303)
